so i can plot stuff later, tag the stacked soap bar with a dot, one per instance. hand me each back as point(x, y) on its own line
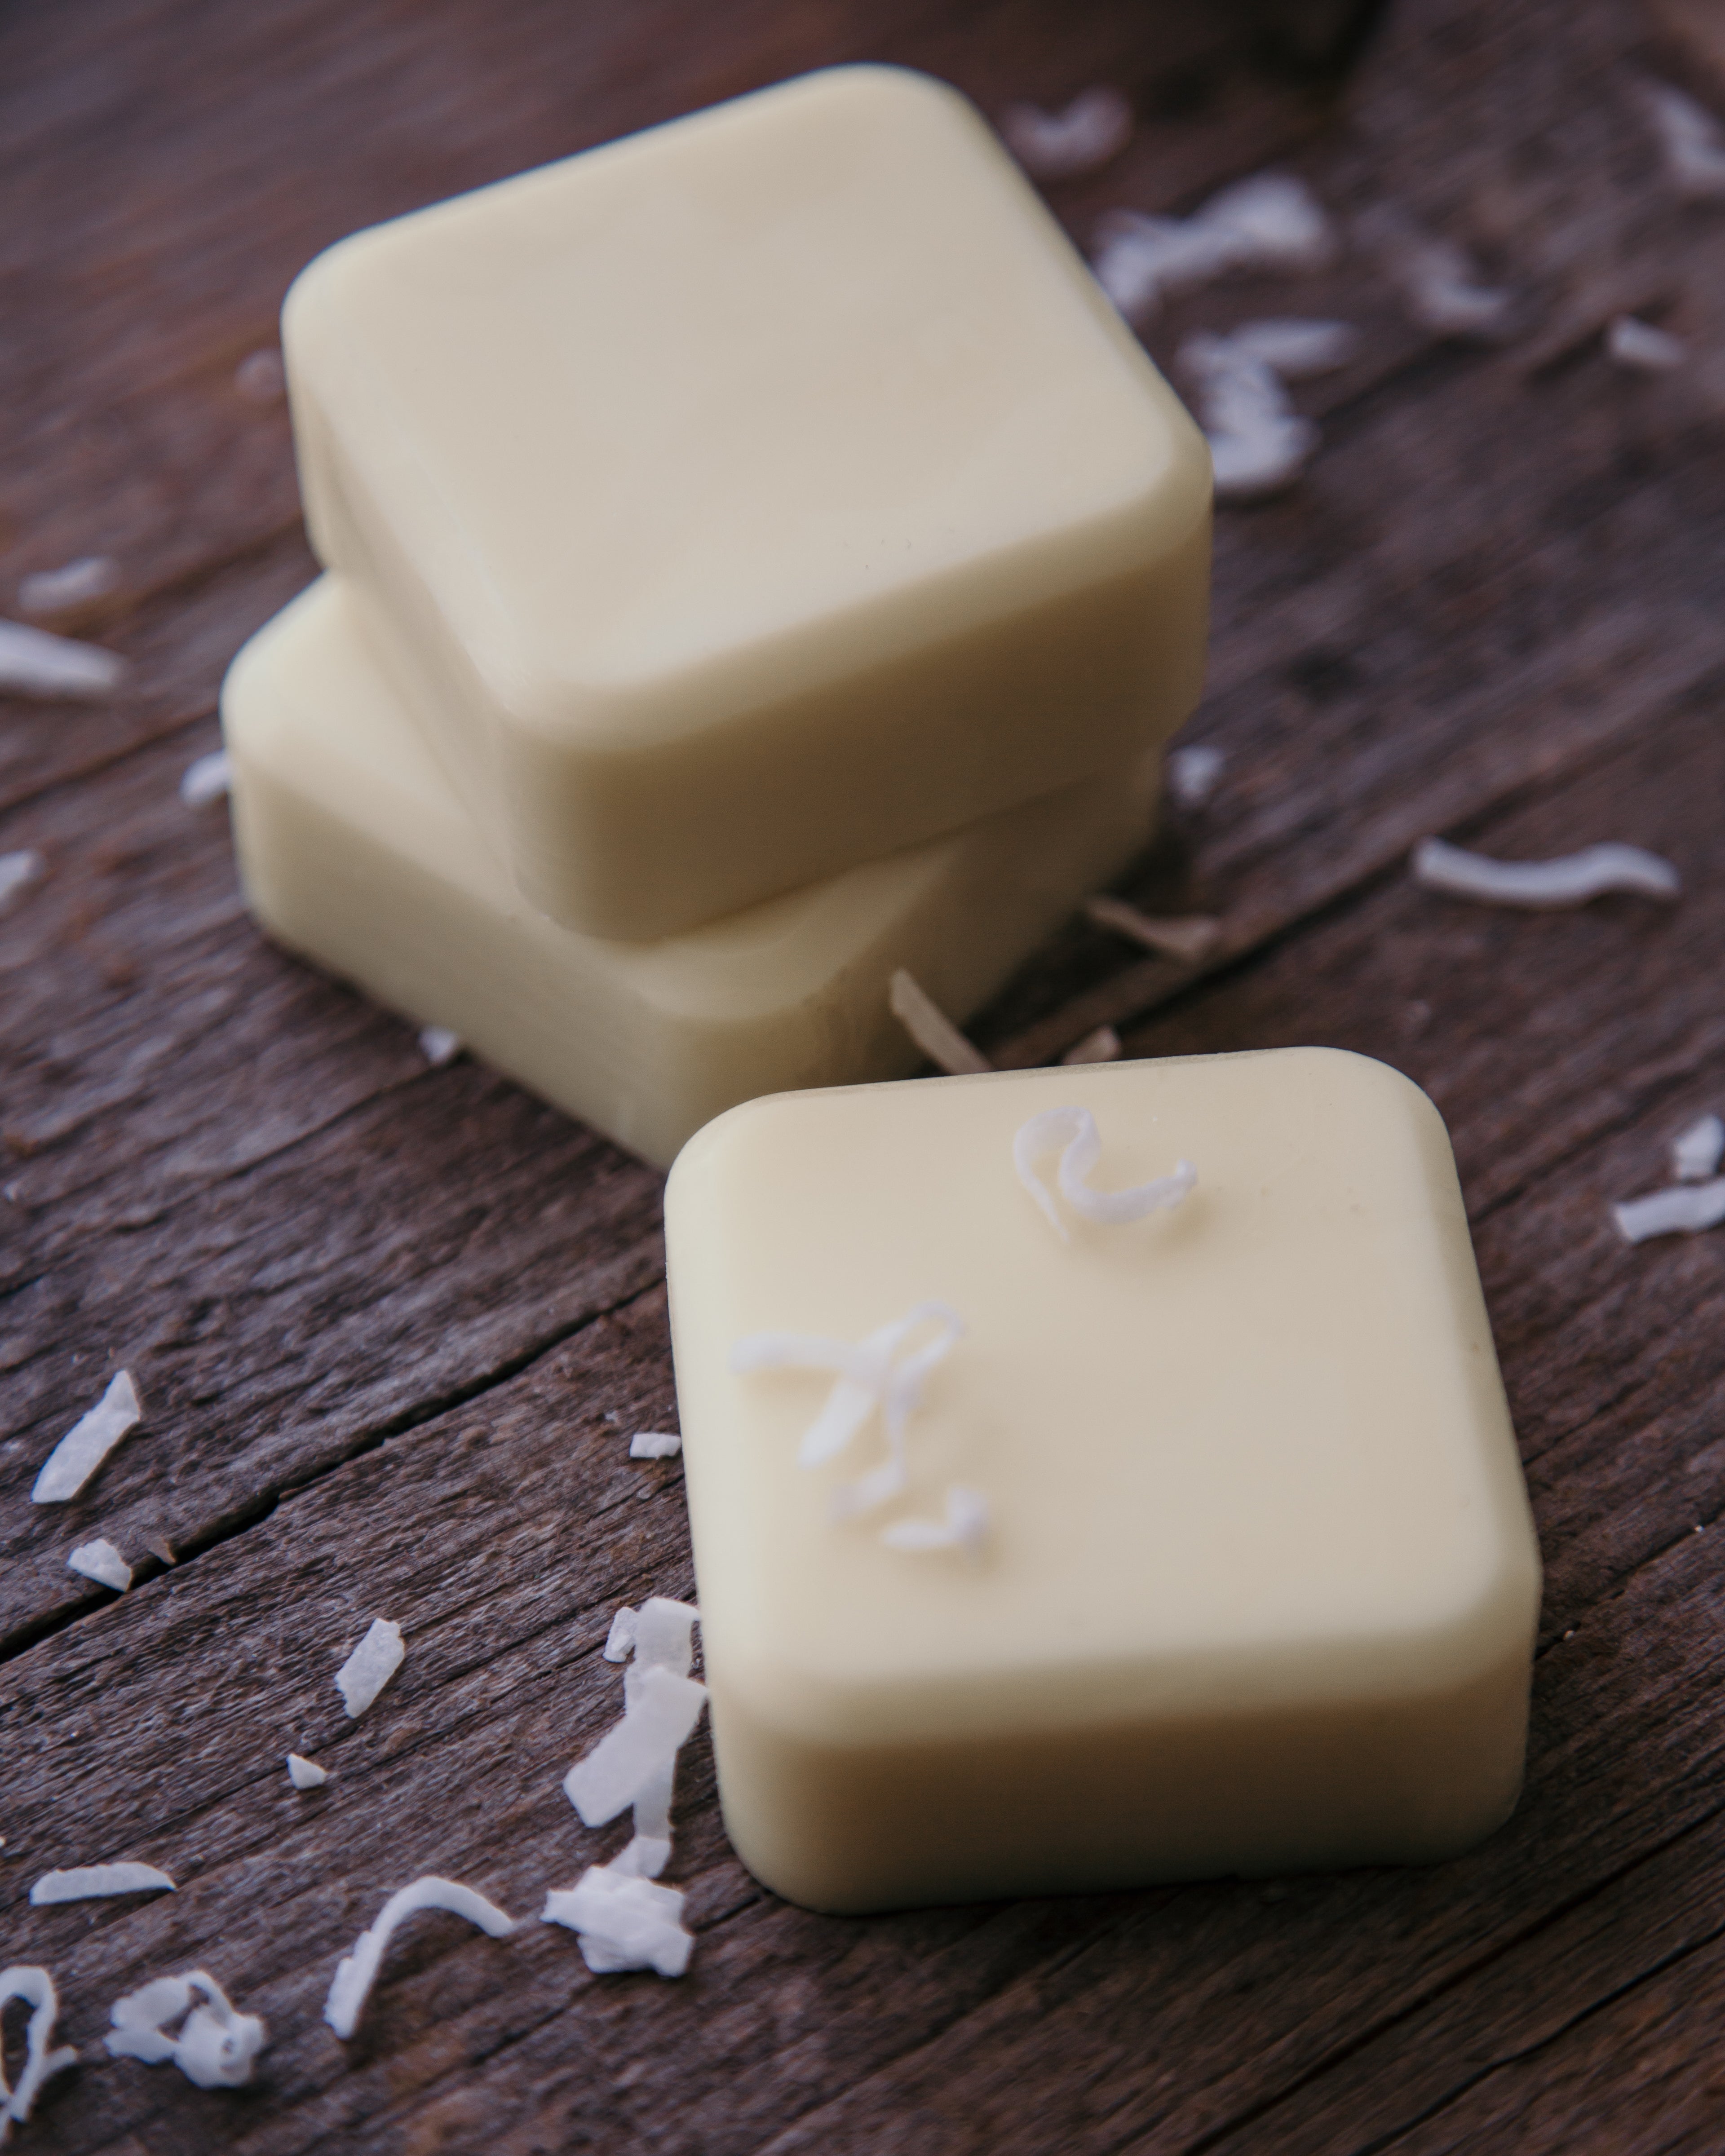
point(760, 555)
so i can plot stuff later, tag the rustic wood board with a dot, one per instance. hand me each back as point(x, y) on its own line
point(383, 1315)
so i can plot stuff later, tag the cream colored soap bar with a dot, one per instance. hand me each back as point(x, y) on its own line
point(355, 851)
point(752, 498)
point(1258, 1584)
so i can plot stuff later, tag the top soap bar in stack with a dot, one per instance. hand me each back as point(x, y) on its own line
point(752, 498)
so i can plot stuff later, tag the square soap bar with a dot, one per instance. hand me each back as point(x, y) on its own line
point(1253, 1584)
point(355, 850)
point(752, 498)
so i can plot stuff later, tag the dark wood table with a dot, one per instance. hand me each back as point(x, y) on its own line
point(383, 1314)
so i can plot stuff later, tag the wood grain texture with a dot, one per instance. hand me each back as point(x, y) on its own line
point(383, 1315)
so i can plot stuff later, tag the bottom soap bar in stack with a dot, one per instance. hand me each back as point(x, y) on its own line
point(356, 851)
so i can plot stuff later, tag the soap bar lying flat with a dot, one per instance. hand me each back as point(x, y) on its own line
point(1256, 1586)
point(355, 850)
point(753, 497)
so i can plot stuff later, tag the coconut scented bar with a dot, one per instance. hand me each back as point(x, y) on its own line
point(752, 498)
point(1097, 1476)
point(355, 851)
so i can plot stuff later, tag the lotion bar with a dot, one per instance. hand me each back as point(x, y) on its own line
point(752, 498)
point(1256, 1586)
point(355, 851)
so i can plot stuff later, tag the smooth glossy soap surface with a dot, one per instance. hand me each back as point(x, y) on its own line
point(1260, 1585)
point(751, 497)
point(356, 850)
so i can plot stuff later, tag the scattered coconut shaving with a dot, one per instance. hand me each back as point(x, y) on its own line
point(370, 1666)
point(654, 1444)
point(620, 1640)
point(623, 1920)
point(1104, 1045)
point(1187, 936)
point(35, 1987)
point(56, 591)
point(305, 1774)
point(89, 1442)
point(1571, 879)
point(934, 1032)
point(1193, 773)
point(1684, 1209)
point(1695, 1151)
point(261, 376)
point(868, 1377)
point(1096, 125)
point(1075, 1131)
point(356, 1972)
point(207, 778)
point(215, 2046)
point(1259, 443)
point(91, 1882)
point(1691, 139)
point(439, 1045)
point(1271, 222)
point(1439, 284)
point(634, 1763)
point(102, 1561)
point(965, 1528)
point(1641, 348)
point(32, 663)
point(15, 871)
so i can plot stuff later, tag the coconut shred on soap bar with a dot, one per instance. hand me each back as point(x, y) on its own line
point(1247, 1581)
point(752, 498)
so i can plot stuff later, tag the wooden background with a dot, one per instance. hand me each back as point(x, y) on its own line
point(380, 1313)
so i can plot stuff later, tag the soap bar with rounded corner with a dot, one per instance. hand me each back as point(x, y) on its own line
point(355, 851)
point(1258, 1584)
point(752, 498)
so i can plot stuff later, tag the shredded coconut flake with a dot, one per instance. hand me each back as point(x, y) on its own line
point(356, 1972)
point(1683, 1211)
point(1259, 443)
point(215, 2046)
point(32, 663)
point(1692, 141)
point(1439, 284)
point(1187, 936)
point(90, 1882)
point(620, 1640)
point(1643, 349)
point(1096, 125)
point(1271, 222)
point(1695, 1151)
point(623, 1920)
point(305, 1774)
point(439, 1045)
point(965, 1528)
point(261, 376)
point(102, 1561)
point(934, 1032)
point(1193, 774)
point(658, 1720)
point(54, 591)
point(35, 1987)
point(88, 1443)
point(654, 1444)
point(207, 778)
point(1075, 1131)
point(1569, 881)
point(15, 871)
point(1104, 1045)
point(370, 1666)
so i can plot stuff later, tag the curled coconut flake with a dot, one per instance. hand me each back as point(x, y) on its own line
point(1438, 284)
point(305, 1774)
point(215, 2046)
point(439, 1045)
point(15, 871)
point(1695, 1151)
point(35, 1987)
point(1570, 880)
point(1259, 443)
point(869, 1377)
point(934, 1032)
point(1643, 349)
point(1193, 774)
point(356, 1972)
point(207, 778)
point(32, 663)
point(654, 1444)
point(1104, 1045)
point(965, 1528)
point(91, 1882)
point(1271, 222)
point(1296, 346)
point(55, 591)
point(1686, 1209)
point(1096, 125)
point(370, 1666)
point(1691, 139)
point(623, 1920)
point(102, 1562)
point(88, 1443)
point(1187, 936)
point(1075, 1130)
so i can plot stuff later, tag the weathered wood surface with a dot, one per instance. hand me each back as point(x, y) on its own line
point(381, 1313)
